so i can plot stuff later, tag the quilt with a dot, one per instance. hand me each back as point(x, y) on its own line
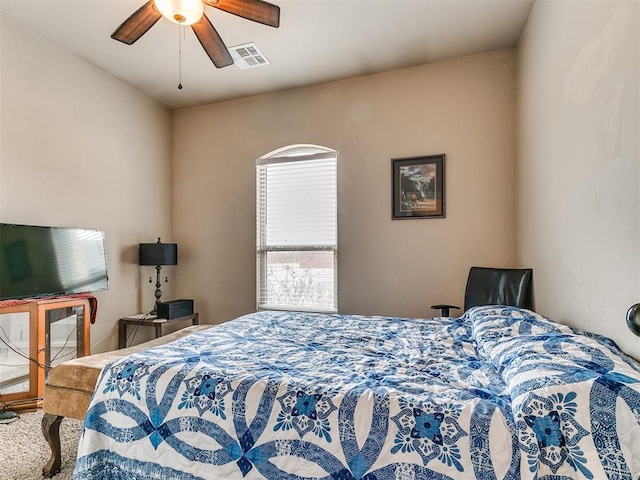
point(499, 393)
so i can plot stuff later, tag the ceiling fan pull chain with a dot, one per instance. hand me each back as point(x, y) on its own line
point(180, 27)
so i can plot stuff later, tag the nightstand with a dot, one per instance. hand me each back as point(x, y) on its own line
point(161, 325)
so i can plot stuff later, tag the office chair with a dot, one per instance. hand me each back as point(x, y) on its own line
point(496, 286)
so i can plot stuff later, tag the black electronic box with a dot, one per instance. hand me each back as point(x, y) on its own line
point(175, 309)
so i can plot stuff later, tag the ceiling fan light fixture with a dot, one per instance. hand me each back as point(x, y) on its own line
point(183, 12)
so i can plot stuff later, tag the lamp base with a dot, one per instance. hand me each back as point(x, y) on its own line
point(155, 308)
point(158, 292)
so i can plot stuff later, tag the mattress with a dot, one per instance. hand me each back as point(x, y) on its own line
point(499, 393)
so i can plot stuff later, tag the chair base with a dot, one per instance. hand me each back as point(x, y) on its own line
point(444, 309)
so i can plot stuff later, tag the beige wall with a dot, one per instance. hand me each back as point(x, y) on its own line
point(579, 162)
point(463, 108)
point(80, 148)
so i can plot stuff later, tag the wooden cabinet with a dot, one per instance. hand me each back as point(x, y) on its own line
point(34, 336)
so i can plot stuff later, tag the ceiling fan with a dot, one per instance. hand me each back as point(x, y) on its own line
point(191, 12)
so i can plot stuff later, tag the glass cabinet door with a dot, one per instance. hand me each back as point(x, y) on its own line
point(14, 353)
point(64, 340)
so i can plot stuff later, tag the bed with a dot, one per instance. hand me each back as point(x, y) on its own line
point(499, 393)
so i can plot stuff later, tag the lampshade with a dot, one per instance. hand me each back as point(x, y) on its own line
point(183, 12)
point(158, 253)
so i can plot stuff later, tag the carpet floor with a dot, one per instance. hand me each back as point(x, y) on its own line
point(24, 451)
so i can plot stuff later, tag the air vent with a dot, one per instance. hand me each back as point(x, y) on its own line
point(248, 56)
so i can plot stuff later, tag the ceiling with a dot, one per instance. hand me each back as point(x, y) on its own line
point(317, 41)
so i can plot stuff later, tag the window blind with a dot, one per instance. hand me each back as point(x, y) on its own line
point(297, 231)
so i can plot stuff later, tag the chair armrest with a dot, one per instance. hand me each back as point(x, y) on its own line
point(445, 309)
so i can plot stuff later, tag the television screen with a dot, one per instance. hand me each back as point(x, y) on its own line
point(38, 261)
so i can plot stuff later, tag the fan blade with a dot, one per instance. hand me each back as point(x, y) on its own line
point(137, 24)
point(255, 10)
point(212, 43)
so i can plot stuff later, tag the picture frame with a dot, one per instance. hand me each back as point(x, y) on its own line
point(418, 187)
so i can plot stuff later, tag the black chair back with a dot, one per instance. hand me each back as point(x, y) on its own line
point(499, 286)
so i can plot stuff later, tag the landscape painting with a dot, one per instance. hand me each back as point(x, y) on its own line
point(418, 187)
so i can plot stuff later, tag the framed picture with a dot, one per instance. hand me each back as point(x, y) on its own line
point(418, 187)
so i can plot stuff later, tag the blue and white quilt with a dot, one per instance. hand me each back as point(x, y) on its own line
point(500, 393)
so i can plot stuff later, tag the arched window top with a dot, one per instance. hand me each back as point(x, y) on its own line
point(297, 153)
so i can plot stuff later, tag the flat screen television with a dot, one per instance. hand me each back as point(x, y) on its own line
point(38, 261)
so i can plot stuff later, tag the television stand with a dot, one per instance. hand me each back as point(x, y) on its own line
point(28, 327)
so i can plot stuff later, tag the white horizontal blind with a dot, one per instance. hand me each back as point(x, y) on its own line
point(297, 231)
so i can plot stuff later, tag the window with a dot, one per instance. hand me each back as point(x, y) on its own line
point(297, 241)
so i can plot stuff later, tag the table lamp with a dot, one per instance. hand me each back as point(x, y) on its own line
point(158, 254)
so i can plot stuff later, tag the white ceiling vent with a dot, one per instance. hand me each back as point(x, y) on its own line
point(248, 56)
